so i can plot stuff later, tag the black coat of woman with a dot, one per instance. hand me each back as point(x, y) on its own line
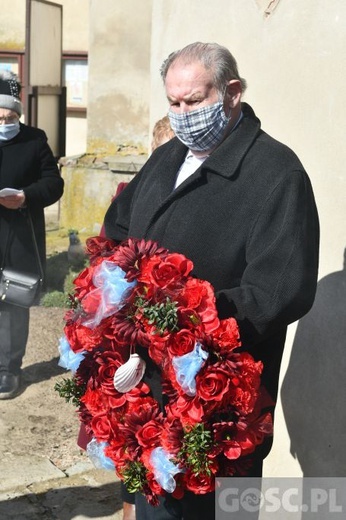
point(26, 163)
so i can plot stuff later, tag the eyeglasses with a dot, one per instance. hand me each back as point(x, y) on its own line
point(9, 120)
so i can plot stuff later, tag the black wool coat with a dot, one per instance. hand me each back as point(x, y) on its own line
point(27, 163)
point(246, 218)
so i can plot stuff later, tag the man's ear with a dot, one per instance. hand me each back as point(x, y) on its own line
point(233, 93)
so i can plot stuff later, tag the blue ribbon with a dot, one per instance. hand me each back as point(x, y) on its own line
point(95, 451)
point(187, 367)
point(110, 279)
point(69, 359)
point(164, 469)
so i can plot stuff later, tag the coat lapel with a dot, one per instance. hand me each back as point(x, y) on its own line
point(169, 165)
point(225, 161)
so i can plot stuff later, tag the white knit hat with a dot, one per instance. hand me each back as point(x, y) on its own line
point(9, 92)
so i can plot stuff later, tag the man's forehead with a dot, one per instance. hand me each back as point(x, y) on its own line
point(188, 79)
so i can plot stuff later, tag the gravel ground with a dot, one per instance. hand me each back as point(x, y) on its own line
point(39, 421)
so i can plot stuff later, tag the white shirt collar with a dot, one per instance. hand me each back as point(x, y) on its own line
point(192, 163)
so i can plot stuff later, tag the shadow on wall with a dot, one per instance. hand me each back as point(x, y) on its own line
point(313, 392)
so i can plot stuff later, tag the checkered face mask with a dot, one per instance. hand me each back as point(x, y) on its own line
point(202, 129)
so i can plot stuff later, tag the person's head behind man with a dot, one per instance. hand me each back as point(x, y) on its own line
point(162, 133)
point(204, 89)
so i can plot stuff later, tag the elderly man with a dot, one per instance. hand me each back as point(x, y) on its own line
point(239, 205)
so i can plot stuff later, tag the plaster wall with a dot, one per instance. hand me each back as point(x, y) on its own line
point(12, 27)
point(90, 184)
point(75, 24)
point(119, 84)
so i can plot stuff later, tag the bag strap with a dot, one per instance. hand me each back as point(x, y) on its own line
point(27, 215)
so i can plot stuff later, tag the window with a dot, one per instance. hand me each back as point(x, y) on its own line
point(12, 61)
point(75, 78)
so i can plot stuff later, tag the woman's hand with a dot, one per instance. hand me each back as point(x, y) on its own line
point(13, 201)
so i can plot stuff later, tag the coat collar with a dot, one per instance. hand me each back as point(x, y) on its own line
point(227, 157)
point(224, 161)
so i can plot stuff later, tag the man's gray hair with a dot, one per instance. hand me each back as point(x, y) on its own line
point(213, 57)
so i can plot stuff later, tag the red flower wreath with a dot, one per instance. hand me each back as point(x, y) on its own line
point(138, 294)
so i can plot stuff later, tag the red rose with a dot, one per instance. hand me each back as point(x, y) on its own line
point(199, 484)
point(145, 407)
point(84, 282)
point(178, 493)
point(187, 409)
point(108, 362)
point(149, 434)
point(232, 450)
point(138, 415)
point(212, 383)
point(101, 427)
point(181, 343)
point(189, 319)
point(130, 254)
point(164, 272)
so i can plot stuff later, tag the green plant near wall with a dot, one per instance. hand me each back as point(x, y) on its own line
point(59, 281)
point(54, 299)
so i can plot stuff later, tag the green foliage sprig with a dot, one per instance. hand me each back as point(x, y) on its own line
point(163, 315)
point(197, 443)
point(134, 476)
point(70, 390)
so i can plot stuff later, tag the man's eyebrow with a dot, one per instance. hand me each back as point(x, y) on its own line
point(189, 97)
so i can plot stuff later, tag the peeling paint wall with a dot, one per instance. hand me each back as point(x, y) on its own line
point(119, 68)
point(12, 27)
point(90, 184)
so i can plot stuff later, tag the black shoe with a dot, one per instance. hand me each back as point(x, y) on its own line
point(9, 385)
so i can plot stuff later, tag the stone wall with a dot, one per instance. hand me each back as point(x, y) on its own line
point(90, 183)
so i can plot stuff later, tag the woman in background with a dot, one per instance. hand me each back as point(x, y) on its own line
point(27, 164)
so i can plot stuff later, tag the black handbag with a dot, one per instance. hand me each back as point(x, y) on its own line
point(19, 287)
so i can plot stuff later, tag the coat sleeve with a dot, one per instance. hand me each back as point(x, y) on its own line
point(49, 185)
point(118, 215)
point(279, 283)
